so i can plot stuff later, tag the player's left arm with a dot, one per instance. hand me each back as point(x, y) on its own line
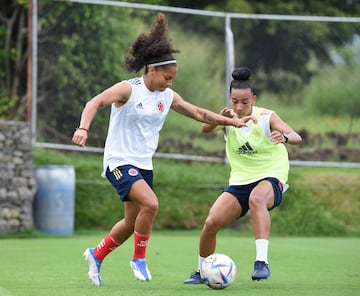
point(281, 132)
point(206, 116)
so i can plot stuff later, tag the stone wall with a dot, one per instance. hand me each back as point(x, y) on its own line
point(17, 177)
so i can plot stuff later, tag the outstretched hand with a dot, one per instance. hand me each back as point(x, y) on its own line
point(240, 122)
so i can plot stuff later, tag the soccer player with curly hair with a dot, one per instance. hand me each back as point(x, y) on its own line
point(139, 107)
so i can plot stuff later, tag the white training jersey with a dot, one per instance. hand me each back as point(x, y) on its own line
point(133, 133)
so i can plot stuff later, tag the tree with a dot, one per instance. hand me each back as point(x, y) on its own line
point(84, 66)
point(13, 58)
point(81, 51)
point(284, 68)
point(286, 65)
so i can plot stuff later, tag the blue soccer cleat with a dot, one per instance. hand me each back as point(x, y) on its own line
point(139, 267)
point(194, 278)
point(261, 271)
point(94, 266)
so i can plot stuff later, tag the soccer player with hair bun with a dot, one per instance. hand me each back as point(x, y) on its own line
point(139, 107)
point(259, 165)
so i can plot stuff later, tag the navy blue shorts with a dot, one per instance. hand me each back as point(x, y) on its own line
point(242, 193)
point(124, 176)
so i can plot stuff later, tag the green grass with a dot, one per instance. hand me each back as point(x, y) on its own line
point(300, 266)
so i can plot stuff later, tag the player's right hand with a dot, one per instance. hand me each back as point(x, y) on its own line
point(79, 137)
point(227, 112)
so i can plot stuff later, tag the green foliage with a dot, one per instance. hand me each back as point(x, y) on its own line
point(13, 55)
point(6, 104)
point(80, 73)
point(201, 74)
point(82, 46)
point(304, 215)
point(319, 202)
point(88, 53)
point(282, 69)
point(334, 91)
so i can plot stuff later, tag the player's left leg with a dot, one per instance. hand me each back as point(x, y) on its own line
point(260, 201)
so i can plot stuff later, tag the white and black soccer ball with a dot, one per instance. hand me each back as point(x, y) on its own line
point(218, 271)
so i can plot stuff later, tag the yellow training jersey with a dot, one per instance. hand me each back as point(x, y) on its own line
point(251, 154)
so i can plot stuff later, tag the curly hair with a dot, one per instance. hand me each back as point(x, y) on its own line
point(152, 47)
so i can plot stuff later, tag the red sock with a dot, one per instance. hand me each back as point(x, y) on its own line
point(107, 245)
point(140, 244)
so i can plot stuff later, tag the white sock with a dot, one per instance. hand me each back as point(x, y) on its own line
point(262, 246)
point(201, 260)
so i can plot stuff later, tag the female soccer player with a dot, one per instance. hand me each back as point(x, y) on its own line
point(259, 171)
point(139, 107)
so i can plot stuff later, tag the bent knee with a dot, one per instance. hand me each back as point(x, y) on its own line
point(258, 202)
point(212, 224)
point(255, 199)
point(151, 207)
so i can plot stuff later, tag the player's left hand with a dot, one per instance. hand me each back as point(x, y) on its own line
point(276, 137)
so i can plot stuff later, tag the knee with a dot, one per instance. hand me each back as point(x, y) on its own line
point(255, 202)
point(151, 207)
point(211, 225)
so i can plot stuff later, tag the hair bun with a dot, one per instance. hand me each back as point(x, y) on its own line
point(241, 74)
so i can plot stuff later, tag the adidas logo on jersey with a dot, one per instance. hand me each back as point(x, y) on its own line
point(135, 81)
point(246, 149)
point(139, 106)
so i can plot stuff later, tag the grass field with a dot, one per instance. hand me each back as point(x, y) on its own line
point(300, 266)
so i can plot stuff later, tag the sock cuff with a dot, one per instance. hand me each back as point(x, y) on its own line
point(262, 240)
point(200, 262)
point(113, 240)
point(145, 236)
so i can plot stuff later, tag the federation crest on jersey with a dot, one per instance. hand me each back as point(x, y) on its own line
point(160, 106)
point(133, 172)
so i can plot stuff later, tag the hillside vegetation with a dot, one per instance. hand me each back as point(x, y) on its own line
point(320, 201)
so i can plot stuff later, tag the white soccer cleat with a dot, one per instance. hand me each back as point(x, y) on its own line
point(94, 266)
point(139, 267)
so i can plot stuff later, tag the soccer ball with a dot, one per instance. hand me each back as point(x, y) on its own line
point(218, 271)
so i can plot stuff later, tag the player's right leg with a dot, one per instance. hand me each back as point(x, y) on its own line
point(225, 210)
point(94, 266)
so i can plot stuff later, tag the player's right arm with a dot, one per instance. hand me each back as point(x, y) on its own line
point(119, 93)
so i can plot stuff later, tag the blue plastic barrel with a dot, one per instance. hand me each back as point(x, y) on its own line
point(54, 200)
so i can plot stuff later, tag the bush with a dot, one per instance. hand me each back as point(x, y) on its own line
point(319, 202)
point(334, 92)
